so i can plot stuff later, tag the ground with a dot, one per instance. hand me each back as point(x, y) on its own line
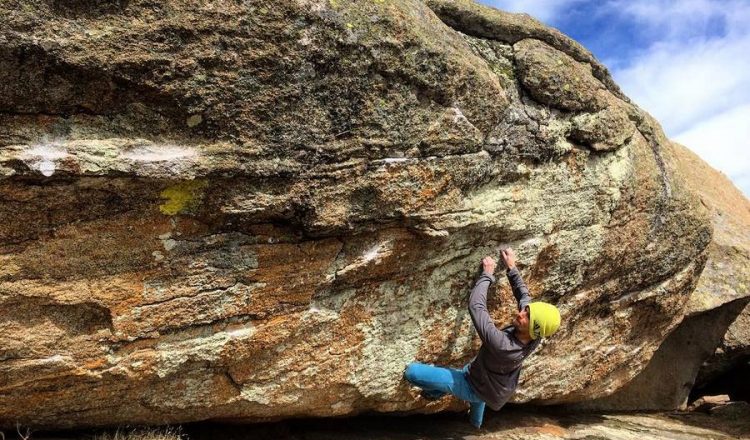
point(509, 423)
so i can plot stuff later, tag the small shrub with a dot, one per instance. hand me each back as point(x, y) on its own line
point(160, 433)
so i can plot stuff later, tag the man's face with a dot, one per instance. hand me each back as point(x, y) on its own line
point(521, 321)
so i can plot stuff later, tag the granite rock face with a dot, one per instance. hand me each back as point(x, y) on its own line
point(726, 277)
point(225, 210)
point(714, 336)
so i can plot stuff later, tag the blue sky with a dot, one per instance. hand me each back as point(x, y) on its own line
point(687, 62)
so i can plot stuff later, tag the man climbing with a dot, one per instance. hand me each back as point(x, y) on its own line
point(492, 377)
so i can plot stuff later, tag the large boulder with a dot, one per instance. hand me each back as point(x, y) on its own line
point(727, 273)
point(714, 337)
point(229, 210)
point(726, 277)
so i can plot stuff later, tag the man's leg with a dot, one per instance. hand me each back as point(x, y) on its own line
point(438, 381)
point(476, 410)
point(476, 413)
point(435, 381)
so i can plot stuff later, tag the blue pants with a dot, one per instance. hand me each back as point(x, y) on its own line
point(439, 381)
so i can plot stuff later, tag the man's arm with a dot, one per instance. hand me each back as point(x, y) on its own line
point(488, 333)
point(520, 291)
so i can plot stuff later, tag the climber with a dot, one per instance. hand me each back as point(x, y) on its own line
point(492, 376)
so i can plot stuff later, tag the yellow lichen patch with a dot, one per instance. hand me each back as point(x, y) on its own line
point(194, 120)
point(8, 266)
point(182, 196)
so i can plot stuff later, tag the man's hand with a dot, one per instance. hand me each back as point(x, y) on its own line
point(509, 257)
point(488, 265)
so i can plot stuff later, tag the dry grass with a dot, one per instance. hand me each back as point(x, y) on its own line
point(122, 433)
point(165, 433)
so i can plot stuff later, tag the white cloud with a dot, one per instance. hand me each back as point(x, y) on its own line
point(679, 19)
point(695, 79)
point(683, 82)
point(723, 142)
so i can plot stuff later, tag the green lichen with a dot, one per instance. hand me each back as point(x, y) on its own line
point(505, 71)
point(495, 54)
point(182, 197)
point(194, 120)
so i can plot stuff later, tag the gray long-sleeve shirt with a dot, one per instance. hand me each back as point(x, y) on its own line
point(494, 372)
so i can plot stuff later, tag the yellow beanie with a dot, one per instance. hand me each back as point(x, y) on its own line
point(544, 319)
